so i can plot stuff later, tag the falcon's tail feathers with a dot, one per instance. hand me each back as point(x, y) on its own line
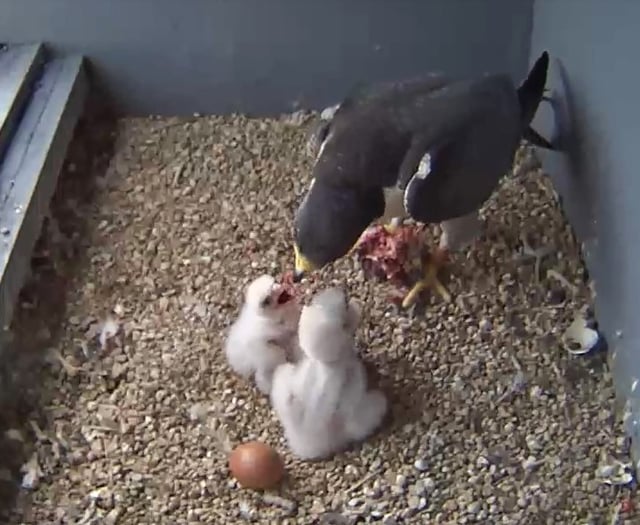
point(536, 139)
point(532, 90)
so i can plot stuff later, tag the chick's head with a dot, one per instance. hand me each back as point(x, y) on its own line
point(327, 326)
point(270, 299)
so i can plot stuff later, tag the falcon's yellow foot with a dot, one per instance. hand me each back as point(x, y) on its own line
point(390, 228)
point(393, 226)
point(430, 280)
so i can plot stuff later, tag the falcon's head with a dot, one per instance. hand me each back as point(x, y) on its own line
point(330, 221)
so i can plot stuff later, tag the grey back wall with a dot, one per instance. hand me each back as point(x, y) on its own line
point(176, 57)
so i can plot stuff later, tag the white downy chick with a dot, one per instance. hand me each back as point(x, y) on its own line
point(264, 334)
point(322, 401)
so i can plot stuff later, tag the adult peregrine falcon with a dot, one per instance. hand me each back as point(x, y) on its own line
point(433, 149)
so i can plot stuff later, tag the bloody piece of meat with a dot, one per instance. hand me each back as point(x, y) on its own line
point(287, 278)
point(288, 289)
point(392, 256)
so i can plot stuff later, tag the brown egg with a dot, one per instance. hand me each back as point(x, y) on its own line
point(256, 465)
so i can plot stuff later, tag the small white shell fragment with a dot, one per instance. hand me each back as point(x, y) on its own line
point(32, 472)
point(634, 385)
point(616, 473)
point(109, 329)
point(578, 338)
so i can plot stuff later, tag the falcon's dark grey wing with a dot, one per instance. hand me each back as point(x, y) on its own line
point(377, 137)
point(365, 150)
point(359, 128)
point(373, 129)
point(383, 93)
point(463, 167)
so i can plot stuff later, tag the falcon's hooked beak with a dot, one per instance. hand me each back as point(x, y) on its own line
point(302, 265)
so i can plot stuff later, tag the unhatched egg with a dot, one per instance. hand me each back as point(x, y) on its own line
point(256, 465)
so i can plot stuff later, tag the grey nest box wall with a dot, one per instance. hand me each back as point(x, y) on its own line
point(595, 81)
point(174, 57)
point(210, 56)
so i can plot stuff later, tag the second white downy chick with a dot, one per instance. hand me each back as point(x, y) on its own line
point(264, 334)
point(322, 401)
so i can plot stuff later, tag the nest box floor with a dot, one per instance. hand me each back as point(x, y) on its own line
point(160, 223)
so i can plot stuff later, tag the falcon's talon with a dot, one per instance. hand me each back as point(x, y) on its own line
point(393, 225)
point(430, 280)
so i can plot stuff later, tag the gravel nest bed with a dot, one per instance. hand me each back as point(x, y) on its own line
point(492, 420)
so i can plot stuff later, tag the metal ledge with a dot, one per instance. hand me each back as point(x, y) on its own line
point(29, 172)
point(19, 66)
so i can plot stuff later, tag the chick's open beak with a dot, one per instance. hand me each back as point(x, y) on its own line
point(302, 265)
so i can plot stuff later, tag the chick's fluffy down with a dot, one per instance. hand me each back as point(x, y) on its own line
point(264, 334)
point(322, 401)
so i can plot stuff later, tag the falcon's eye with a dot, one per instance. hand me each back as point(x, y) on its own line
point(266, 301)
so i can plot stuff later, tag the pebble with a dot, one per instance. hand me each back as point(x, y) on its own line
point(482, 461)
point(401, 481)
point(355, 502)
point(533, 444)
point(429, 485)
point(373, 492)
point(474, 507)
point(421, 465)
